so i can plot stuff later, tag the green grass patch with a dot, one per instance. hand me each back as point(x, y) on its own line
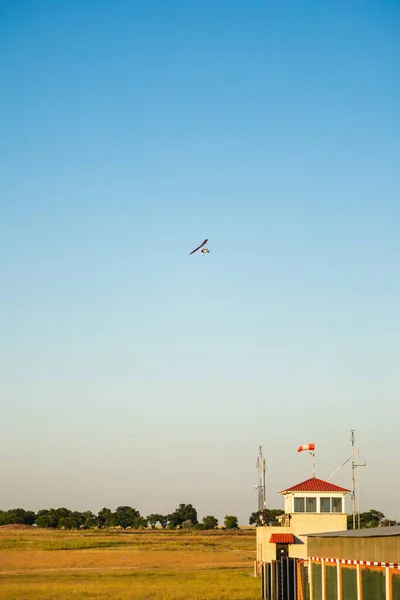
point(210, 584)
point(148, 540)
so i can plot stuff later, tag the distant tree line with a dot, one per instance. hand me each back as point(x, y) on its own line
point(369, 518)
point(184, 517)
point(124, 517)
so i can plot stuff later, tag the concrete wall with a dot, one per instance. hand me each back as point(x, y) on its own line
point(300, 524)
point(377, 549)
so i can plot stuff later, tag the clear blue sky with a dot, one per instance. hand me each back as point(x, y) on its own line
point(133, 373)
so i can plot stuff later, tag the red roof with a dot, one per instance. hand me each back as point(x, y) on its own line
point(314, 485)
point(282, 538)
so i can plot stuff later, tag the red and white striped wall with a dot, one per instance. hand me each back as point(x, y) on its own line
point(344, 561)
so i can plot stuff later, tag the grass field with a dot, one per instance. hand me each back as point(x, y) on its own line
point(167, 565)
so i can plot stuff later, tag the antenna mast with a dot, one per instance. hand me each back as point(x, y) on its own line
point(353, 486)
point(353, 483)
point(261, 467)
point(353, 479)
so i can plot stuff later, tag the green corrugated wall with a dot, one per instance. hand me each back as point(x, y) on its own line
point(396, 586)
point(317, 581)
point(349, 583)
point(331, 582)
point(373, 584)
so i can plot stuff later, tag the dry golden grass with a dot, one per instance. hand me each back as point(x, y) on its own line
point(140, 565)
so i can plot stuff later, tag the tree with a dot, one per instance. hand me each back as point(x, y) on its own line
point(152, 520)
point(155, 518)
point(210, 522)
point(273, 514)
point(47, 519)
point(67, 523)
point(388, 523)
point(266, 517)
point(89, 519)
point(51, 518)
point(257, 518)
point(140, 523)
point(185, 512)
point(17, 516)
point(106, 518)
point(125, 516)
point(30, 517)
point(187, 524)
point(371, 518)
point(78, 519)
point(61, 513)
point(163, 520)
point(231, 522)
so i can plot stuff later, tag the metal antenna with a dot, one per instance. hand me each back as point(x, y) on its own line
point(353, 488)
point(353, 479)
point(261, 465)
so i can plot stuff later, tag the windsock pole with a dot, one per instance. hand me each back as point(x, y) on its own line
point(311, 448)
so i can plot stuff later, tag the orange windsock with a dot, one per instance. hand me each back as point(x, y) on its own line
point(306, 447)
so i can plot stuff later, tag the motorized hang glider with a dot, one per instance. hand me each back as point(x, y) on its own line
point(203, 250)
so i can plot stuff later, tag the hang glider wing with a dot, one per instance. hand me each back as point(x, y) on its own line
point(198, 248)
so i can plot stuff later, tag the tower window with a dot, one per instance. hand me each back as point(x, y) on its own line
point(311, 505)
point(337, 505)
point(325, 505)
point(299, 505)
